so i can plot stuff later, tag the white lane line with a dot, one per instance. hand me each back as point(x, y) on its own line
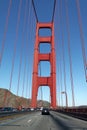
point(29, 121)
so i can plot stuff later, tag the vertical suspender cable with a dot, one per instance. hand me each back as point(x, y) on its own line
point(30, 34)
point(57, 47)
point(60, 65)
point(24, 75)
point(61, 85)
point(24, 78)
point(28, 22)
point(82, 38)
point(58, 100)
point(5, 31)
point(63, 46)
point(27, 73)
point(54, 20)
point(63, 53)
point(15, 44)
point(22, 46)
point(14, 53)
point(69, 50)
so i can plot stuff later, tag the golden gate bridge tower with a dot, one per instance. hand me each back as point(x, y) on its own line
point(39, 80)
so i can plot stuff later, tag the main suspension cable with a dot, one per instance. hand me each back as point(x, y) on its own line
point(34, 10)
point(54, 10)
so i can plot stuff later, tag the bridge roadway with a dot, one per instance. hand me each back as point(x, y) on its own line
point(36, 121)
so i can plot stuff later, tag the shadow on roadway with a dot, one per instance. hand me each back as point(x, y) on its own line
point(62, 125)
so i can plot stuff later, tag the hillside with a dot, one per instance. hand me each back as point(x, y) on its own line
point(15, 101)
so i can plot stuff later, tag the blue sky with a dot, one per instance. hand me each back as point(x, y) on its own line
point(44, 11)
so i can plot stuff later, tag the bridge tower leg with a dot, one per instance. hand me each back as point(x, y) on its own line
point(44, 81)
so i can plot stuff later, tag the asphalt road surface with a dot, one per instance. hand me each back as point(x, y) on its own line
point(36, 121)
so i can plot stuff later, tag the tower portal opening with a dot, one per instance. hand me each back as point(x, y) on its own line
point(44, 69)
point(43, 96)
point(45, 32)
point(44, 48)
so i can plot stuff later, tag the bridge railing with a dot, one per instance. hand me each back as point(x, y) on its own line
point(80, 113)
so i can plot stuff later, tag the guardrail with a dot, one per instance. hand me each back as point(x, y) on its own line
point(4, 114)
point(77, 113)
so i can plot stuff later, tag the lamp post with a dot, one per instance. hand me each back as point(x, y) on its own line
point(64, 92)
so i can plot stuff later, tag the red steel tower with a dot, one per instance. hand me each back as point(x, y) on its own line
point(44, 81)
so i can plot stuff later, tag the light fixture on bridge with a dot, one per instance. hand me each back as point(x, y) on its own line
point(64, 92)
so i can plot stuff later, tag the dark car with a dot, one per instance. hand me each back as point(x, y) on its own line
point(45, 111)
point(7, 109)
